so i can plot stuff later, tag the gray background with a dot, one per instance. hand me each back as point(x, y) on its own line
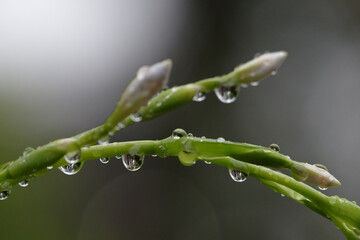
point(64, 64)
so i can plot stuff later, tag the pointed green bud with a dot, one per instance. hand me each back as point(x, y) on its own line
point(314, 175)
point(148, 82)
point(259, 67)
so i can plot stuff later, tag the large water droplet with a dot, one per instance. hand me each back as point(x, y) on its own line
point(133, 162)
point(199, 97)
point(220, 140)
point(104, 160)
point(187, 158)
point(275, 147)
point(24, 183)
point(178, 133)
point(136, 117)
point(237, 176)
point(73, 157)
point(71, 169)
point(4, 195)
point(227, 94)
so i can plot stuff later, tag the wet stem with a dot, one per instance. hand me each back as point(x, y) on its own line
point(141, 101)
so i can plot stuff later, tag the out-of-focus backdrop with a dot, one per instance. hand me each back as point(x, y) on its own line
point(64, 64)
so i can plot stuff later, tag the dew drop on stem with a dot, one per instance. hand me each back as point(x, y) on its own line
point(237, 176)
point(133, 162)
point(227, 94)
point(4, 195)
point(104, 160)
point(220, 140)
point(73, 157)
point(104, 140)
point(322, 188)
point(24, 183)
point(254, 84)
point(178, 133)
point(275, 147)
point(187, 158)
point(136, 117)
point(71, 169)
point(199, 97)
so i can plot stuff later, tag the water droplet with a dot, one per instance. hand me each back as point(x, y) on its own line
point(199, 97)
point(207, 162)
point(244, 85)
point(322, 188)
point(154, 155)
point(254, 84)
point(132, 162)
point(71, 169)
point(111, 133)
point(220, 139)
point(24, 183)
point(187, 158)
point(178, 133)
point(118, 157)
point(73, 157)
point(237, 176)
point(321, 166)
point(275, 147)
point(104, 140)
point(136, 117)
point(282, 195)
point(50, 167)
point(4, 195)
point(227, 94)
point(27, 151)
point(332, 200)
point(119, 126)
point(190, 135)
point(273, 73)
point(104, 160)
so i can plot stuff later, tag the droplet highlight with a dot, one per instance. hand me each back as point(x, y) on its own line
point(237, 176)
point(133, 162)
point(178, 133)
point(71, 169)
point(104, 160)
point(199, 97)
point(136, 117)
point(275, 147)
point(4, 195)
point(24, 183)
point(220, 140)
point(73, 157)
point(187, 158)
point(254, 84)
point(227, 94)
point(322, 188)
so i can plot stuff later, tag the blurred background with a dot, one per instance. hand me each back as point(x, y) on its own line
point(64, 64)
